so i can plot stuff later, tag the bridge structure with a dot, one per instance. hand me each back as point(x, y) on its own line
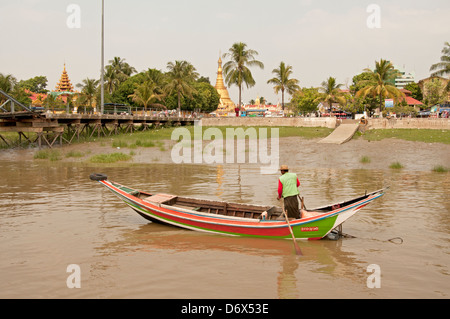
point(44, 128)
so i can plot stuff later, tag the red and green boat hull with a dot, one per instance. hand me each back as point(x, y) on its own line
point(309, 228)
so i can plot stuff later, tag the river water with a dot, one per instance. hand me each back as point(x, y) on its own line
point(53, 216)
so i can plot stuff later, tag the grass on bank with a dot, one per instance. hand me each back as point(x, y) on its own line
point(151, 137)
point(365, 159)
point(110, 158)
point(50, 154)
point(415, 135)
point(440, 169)
point(74, 154)
point(396, 165)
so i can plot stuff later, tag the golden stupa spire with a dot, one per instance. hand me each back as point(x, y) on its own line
point(225, 101)
point(64, 84)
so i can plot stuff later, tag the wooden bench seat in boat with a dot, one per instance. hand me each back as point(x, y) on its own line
point(166, 199)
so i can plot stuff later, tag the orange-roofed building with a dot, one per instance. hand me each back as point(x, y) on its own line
point(409, 99)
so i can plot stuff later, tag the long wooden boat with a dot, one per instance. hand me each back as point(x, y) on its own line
point(236, 219)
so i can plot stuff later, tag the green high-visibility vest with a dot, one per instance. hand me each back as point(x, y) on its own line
point(289, 181)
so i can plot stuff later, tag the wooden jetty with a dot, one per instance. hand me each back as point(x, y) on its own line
point(46, 128)
point(50, 128)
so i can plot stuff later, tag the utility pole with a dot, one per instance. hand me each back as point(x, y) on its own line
point(102, 88)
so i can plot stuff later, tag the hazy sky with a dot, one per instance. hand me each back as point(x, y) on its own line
point(319, 38)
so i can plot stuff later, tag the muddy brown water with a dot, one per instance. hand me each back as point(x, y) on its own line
point(53, 216)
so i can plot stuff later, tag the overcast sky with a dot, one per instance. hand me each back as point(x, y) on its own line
point(319, 38)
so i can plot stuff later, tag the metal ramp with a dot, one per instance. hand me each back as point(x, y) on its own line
point(343, 133)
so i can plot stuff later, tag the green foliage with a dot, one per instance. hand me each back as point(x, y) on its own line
point(206, 98)
point(365, 160)
point(415, 90)
point(181, 76)
point(145, 93)
point(360, 104)
point(237, 70)
point(52, 155)
point(415, 135)
point(442, 68)
point(110, 158)
point(305, 100)
point(330, 93)
point(204, 95)
point(88, 90)
point(7, 83)
point(380, 84)
point(396, 165)
point(282, 82)
point(440, 169)
point(37, 84)
point(74, 154)
point(435, 92)
point(21, 95)
point(126, 89)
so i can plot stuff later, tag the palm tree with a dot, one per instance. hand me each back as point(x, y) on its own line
point(112, 81)
point(282, 82)
point(121, 68)
point(181, 76)
point(144, 94)
point(157, 77)
point(330, 92)
point(88, 89)
point(443, 68)
point(7, 82)
point(381, 83)
point(236, 70)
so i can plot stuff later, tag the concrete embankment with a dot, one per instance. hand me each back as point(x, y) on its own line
point(330, 122)
point(419, 123)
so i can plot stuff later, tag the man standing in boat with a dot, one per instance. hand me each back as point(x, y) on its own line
point(288, 184)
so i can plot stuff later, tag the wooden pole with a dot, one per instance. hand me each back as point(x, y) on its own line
point(297, 248)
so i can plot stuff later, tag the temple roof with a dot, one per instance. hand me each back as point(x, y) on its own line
point(64, 84)
point(225, 101)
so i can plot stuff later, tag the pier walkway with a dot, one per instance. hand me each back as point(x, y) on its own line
point(50, 128)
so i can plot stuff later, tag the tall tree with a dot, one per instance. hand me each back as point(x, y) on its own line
point(145, 94)
point(112, 80)
point(380, 83)
point(415, 90)
point(182, 75)
point(443, 68)
point(37, 84)
point(117, 72)
point(435, 92)
point(305, 100)
point(282, 82)
point(206, 98)
point(157, 77)
point(236, 70)
point(88, 89)
point(7, 82)
point(330, 92)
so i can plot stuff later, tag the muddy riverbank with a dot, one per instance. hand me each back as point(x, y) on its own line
point(293, 151)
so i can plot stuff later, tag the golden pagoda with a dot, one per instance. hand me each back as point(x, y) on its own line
point(225, 102)
point(64, 84)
